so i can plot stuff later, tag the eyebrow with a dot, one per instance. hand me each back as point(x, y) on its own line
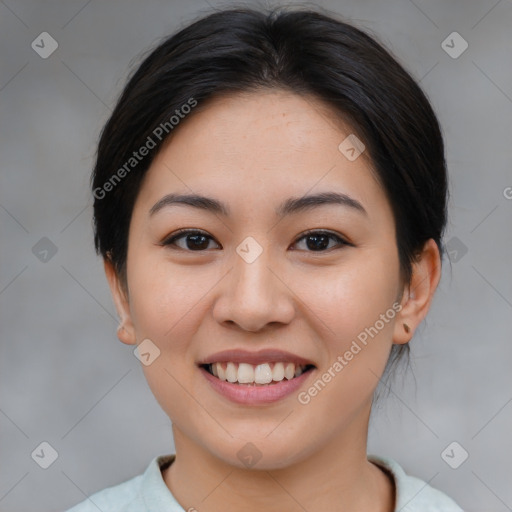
point(290, 206)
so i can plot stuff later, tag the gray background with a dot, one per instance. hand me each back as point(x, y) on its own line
point(65, 378)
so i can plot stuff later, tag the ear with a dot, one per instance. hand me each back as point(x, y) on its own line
point(418, 294)
point(125, 331)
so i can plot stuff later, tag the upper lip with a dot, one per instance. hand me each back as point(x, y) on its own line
point(255, 358)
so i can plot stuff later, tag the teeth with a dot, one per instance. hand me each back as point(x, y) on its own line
point(263, 374)
point(245, 373)
point(278, 372)
point(289, 371)
point(221, 373)
point(231, 372)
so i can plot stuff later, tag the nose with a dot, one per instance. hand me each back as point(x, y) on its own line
point(254, 296)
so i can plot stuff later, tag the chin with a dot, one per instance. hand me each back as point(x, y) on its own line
point(258, 453)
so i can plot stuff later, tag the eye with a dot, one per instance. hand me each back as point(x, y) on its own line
point(318, 241)
point(195, 240)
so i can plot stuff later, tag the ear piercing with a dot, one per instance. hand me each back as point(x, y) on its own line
point(407, 329)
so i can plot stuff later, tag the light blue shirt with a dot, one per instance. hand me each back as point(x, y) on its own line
point(149, 493)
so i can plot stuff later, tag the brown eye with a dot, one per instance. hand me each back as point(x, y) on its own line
point(193, 240)
point(318, 241)
point(198, 241)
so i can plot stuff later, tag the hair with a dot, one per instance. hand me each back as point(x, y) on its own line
point(304, 52)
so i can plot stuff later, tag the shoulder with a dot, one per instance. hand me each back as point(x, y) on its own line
point(413, 494)
point(139, 494)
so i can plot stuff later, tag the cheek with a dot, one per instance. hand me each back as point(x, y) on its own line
point(162, 302)
point(352, 297)
point(354, 310)
point(166, 304)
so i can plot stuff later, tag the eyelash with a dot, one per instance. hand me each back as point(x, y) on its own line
point(169, 241)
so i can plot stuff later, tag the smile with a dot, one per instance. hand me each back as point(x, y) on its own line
point(256, 375)
point(252, 378)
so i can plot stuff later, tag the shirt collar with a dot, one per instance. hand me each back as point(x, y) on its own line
point(154, 492)
point(156, 495)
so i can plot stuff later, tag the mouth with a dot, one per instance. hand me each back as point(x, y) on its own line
point(264, 374)
point(253, 378)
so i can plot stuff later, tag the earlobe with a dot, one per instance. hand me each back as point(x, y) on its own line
point(125, 331)
point(124, 335)
point(418, 293)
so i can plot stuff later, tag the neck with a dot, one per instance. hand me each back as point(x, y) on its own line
point(338, 477)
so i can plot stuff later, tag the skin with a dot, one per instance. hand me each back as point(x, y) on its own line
point(253, 151)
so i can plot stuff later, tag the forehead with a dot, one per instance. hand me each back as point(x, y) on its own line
point(260, 144)
point(265, 119)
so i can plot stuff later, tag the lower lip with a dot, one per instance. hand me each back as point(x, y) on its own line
point(259, 394)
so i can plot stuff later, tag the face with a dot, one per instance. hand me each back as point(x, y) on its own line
point(260, 282)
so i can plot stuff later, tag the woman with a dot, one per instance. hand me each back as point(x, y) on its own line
point(270, 198)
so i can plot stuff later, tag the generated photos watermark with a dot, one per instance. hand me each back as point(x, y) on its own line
point(158, 133)
point(305, 397)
